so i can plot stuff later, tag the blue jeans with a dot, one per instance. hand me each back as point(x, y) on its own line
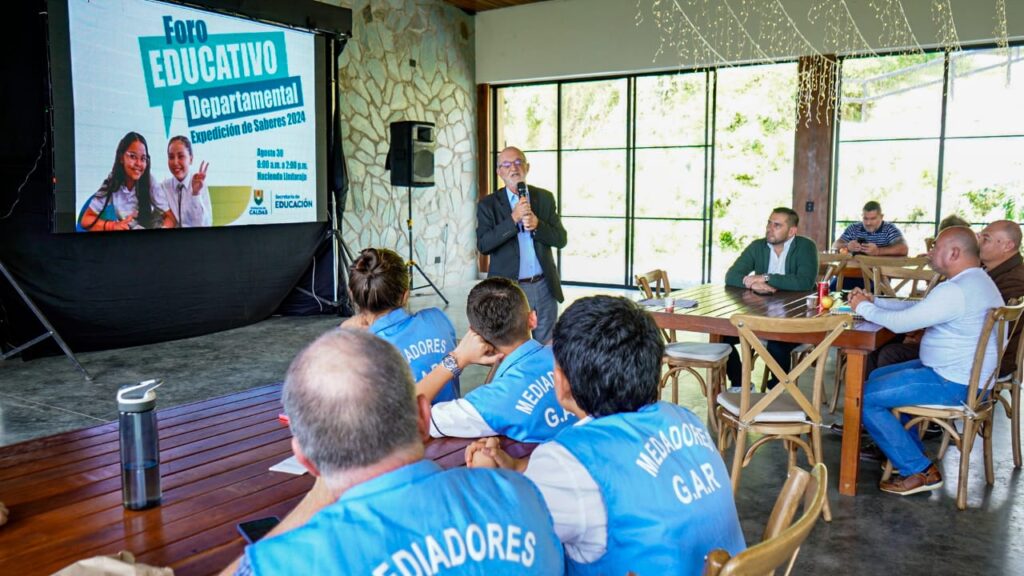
point(900, 385)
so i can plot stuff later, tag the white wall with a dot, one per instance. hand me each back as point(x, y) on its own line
point(570, 38)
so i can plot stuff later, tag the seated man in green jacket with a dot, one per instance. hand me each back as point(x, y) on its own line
point(782, 261)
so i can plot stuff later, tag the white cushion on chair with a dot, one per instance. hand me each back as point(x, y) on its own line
point(959, 407)
point(783, 409)
point(710, 352)
point(1007, 378)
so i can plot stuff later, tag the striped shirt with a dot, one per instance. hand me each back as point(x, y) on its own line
point(886, 235)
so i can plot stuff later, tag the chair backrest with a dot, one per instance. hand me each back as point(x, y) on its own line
point(654, 284)
point(889, 276)
point(1018, 371)
point(1000, 322)
point(782, 537)
point(747, 325)
point(831, 264)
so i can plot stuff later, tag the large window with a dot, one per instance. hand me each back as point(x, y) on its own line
point(593, 158)
point(755, 118)
point(888, 151)
point(929, 136)
point(631, 161)
point(670, 160)
point(983, 160)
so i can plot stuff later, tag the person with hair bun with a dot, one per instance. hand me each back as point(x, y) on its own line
point(378, 282)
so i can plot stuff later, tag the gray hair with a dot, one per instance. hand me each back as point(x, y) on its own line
point(350, 401)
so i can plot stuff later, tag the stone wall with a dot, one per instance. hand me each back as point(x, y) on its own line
point(411, 60)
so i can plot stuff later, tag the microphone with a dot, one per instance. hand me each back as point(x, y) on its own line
point(521, 192)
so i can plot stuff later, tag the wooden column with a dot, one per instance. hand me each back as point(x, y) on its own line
point(485, 171)
point(812, 149)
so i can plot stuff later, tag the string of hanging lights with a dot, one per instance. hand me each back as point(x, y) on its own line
point(722, 33)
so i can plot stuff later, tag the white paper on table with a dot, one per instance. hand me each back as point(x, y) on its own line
point(289, 466)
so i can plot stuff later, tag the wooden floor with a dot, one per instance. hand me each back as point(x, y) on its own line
point(64, 491)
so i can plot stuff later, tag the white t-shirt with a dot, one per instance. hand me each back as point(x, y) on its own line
point(574, 499)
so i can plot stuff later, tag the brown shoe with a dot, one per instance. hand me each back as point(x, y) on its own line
point(930, 479)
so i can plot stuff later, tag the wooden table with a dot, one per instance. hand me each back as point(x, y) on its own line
point(64, 491)
point(718, 303)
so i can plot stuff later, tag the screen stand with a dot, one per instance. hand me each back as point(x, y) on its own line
point(51, 332)
point(411, 264)
point(340, 252)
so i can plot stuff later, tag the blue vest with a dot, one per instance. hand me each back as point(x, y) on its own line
point(423, 339)
point(420, 519)
point(520, 401)
point(665, 488)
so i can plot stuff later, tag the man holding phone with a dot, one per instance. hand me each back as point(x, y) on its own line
point(378, 507)
point(872, 236)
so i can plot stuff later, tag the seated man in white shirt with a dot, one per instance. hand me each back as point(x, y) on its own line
point(636, 485)
point(952, 316)
point(520, 400)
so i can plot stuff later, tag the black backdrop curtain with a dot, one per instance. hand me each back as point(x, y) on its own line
point(119, 289)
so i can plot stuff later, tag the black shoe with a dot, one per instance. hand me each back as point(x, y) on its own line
point(872, 453)
point(836, 428)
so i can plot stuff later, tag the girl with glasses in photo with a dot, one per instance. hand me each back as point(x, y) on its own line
point(124, 200)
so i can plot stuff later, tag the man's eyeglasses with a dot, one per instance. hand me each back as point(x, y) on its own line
point(518, 163)
point(135, 157)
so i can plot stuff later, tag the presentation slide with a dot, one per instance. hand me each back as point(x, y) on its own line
point(185, 118)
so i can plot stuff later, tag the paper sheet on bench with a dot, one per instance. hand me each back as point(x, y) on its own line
point(679, 302)
point(289, 466)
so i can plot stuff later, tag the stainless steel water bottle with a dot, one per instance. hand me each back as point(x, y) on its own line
point(140, 445)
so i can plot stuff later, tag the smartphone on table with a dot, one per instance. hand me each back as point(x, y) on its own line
point(253, 530)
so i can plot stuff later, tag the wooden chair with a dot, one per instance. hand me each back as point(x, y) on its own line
point(889, 276)
point(688, 356)
point(1011, 384)
point(783, 413)
point(976, 413)
point(830, 265)
point(782, 537)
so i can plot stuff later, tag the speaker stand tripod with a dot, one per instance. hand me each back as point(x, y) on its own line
point(51, 332)
point(411, 263)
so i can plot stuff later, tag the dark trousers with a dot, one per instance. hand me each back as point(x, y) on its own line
point(734, 367)
point(894, 352)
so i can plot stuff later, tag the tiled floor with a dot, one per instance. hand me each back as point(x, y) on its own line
point(872, 532)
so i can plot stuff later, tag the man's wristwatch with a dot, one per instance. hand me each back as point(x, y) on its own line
point(451, 365)
point(765, 278)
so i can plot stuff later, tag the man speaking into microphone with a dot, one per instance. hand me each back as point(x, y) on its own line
point(517, 226)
